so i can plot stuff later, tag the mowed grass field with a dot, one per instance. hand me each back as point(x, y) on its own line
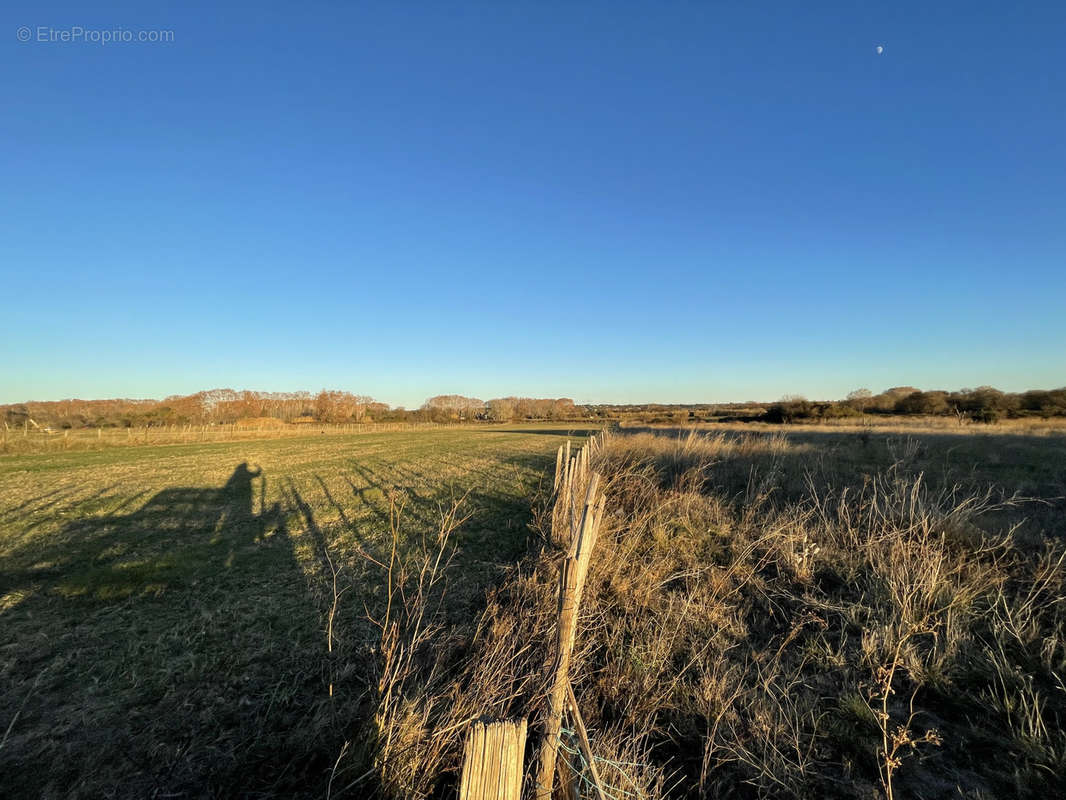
point(164, 609)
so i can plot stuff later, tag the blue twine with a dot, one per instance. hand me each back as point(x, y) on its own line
point(582, 769)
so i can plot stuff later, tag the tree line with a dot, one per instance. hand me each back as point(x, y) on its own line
point(445, 407)
point(984, 404)
point(226, 406)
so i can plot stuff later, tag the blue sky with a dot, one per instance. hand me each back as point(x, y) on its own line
point(621, 202)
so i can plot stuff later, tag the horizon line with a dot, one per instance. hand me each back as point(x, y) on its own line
point(396, 406)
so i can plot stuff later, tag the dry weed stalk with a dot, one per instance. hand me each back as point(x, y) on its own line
point(901, 741)
point(331, 617)
point(410, 684)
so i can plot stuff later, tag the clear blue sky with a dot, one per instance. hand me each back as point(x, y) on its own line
point(611, 201)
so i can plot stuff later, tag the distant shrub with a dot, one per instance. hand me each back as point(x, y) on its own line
point(923, 403)
point(790, 409)
point(838, 411)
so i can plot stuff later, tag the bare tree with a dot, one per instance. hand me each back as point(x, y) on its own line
point(859, 399)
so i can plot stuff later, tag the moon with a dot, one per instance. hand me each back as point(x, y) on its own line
point(879, 49)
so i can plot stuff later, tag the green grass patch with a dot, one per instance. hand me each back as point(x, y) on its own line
point(163, 608)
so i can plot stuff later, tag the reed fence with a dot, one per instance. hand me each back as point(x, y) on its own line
point(576, 515)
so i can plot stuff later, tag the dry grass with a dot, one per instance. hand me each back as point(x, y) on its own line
point(807, 643)
point(753, 632)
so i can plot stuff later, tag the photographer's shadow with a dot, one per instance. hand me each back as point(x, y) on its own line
point(179, 616)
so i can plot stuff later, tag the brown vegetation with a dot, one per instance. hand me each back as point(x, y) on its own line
point(762, 621)
point(225, 406)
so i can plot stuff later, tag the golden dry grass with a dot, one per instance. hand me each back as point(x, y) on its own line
point(762, 621)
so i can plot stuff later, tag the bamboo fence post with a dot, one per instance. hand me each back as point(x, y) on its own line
point(571, 585)
point(492, 761)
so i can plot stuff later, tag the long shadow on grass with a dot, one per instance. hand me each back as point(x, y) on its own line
point(172, 651)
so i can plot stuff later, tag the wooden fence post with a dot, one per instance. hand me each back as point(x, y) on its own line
point(571, 586)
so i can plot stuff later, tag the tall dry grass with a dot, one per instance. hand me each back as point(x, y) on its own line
point(747, 632)
point(882, 638)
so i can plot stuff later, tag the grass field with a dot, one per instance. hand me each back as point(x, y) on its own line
point(765, 609)
point(25, 440)
point(164, 609)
